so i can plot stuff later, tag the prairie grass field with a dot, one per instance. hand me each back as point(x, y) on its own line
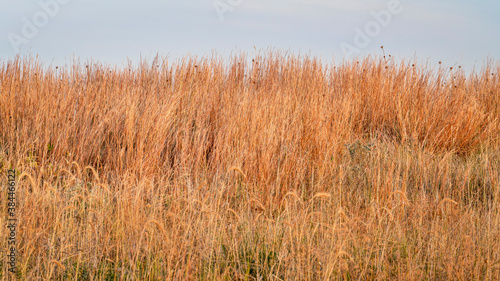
point(264, 167)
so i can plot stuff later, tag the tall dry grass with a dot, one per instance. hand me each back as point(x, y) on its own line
point(272, 167)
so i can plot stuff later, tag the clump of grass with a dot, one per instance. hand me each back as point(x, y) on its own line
point(271, 167)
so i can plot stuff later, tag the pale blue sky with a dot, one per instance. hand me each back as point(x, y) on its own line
point(456, 32)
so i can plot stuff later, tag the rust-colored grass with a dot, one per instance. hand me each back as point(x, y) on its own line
point(274, 167)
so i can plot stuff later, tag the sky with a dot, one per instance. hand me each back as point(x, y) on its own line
point(457, 32)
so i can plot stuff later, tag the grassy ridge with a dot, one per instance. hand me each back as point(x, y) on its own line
point(275, 166)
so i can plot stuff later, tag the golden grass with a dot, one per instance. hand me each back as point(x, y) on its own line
point(273, 167)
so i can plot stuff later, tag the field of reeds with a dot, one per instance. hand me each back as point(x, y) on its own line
point(265, 167)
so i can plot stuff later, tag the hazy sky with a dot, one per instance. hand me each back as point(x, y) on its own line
point(459, 31)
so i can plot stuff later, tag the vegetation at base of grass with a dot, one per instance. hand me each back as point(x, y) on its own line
point(271, 167)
